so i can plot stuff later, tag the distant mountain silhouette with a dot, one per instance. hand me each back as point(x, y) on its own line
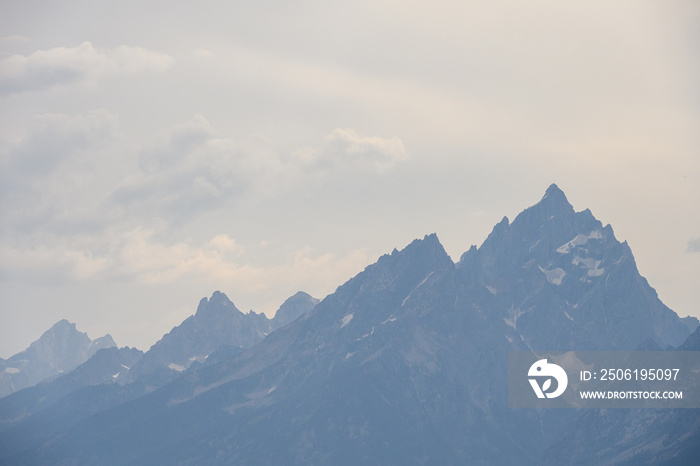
point(60, 349)
point(403, 364)
point(216, 323)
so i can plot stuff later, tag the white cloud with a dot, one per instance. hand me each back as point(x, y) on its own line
point(62, 66)
point(223, 263)
point(138, 256)
point(54, 263)
point(345, 148)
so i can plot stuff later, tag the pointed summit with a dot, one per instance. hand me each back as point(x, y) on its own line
point(217, 322)
point(552, 218)
point(219, 303)
point(555, 202)
point(61, 348)
point(62, 324)
point(429, 246)
point(554, 191)
point(292, 308)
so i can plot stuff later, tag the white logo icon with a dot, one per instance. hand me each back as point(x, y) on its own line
point(544, 369)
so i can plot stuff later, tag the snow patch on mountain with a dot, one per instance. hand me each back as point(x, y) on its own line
point(593, 265)
point(513, 315)
point(366, 335)
point(554, 276)
point(579, 240)
point(413, 290)
point(346, 320)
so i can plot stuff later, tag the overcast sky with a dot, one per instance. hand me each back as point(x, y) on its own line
point(154, 152)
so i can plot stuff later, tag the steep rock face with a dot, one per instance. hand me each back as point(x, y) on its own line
point(561, 280)
point(691, 322)
point(692, 343)
point(60, 349)
point(217, 322)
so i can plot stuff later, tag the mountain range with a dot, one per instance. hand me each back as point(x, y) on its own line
point(216, 323)
point(403, 364)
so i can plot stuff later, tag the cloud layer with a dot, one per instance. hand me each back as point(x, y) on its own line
point(65, 66)
point(59, 229)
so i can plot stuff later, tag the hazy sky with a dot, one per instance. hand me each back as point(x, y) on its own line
point(154, 152)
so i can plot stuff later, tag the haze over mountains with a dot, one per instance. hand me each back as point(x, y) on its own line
point(217, 325)
point(403, 364)
point(60, 349)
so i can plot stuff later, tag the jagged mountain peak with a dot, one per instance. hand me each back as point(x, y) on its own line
point(61, 333)
point(218, 303)
point(555, 194)
point(541, 228)
point(64, 333)
point(103, 342)
point(555, 201)
point(382, 289)
point(428, 247)
point(217, 322)
point(64, 328)
point(293, 307)
point(421, 254)
point(553, 206)
point(61, 348)
point(552, 254)
point(63, 323)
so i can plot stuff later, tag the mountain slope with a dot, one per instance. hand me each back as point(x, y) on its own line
point(216, 323)
point(632, 436)
point(60, 349)
point(292, 308)
point(561, 280)
point(103, 367)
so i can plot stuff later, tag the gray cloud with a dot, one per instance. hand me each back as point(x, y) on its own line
point(62, 66)
point(52, 179)
point(694, 245)
point(195, 170)
point(191, 172)
point(52, 138)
